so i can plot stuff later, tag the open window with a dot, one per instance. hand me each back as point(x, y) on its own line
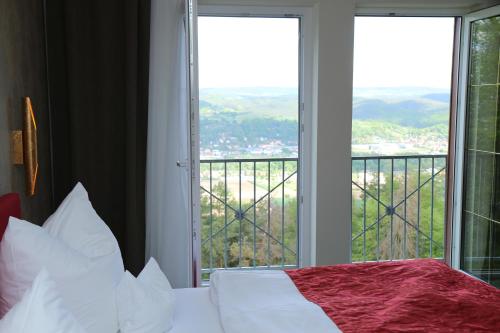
point(250, 140)
point(477, 231)
point(400, 136)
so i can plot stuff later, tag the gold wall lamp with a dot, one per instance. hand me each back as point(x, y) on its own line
point(24, 146)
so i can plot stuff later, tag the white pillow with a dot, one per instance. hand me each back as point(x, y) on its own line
point(26, 249)
point(76, 222)
point(145, 304)
point(40, 310)
point(86, 286)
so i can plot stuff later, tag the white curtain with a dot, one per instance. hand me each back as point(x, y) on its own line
point(167, 185)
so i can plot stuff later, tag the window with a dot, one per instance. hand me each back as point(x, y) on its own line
point(249, 142)
point(400, 135)
point(481, 208)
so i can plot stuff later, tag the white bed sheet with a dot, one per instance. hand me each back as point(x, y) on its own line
point(194, 312)
point(269, 303)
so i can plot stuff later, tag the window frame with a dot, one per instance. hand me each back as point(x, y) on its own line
point(454, 132)
point(306, 211)
point(463, 89)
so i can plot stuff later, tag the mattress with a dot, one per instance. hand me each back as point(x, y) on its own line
point(194, 312)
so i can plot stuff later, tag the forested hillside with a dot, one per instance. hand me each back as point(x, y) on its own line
point(253, 122)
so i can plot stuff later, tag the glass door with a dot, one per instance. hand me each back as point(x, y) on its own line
point(480, 239)
point(249, 142)
point(400, 135)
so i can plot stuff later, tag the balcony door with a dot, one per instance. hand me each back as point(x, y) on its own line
point(480, 211)
point(400, 133)
point(249, 126)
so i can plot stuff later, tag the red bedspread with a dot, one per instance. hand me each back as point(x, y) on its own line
point(401, 296)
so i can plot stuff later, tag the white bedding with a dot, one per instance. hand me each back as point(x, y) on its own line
point(264, 302)
point(194, 312)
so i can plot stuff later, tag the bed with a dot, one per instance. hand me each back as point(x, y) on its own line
point(404, 296)
point(10, 205)
point(195, 301)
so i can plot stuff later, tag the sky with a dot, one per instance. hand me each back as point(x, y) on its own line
point(263, 52)
point(403, 52)
point(248, 52)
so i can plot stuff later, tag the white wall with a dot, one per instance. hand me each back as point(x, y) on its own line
point(334, 112)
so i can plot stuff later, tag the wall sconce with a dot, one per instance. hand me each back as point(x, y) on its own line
point(24, 146)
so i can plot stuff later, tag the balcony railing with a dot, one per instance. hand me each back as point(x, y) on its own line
point(249, 214)
point(398, 207)
point(249, 210)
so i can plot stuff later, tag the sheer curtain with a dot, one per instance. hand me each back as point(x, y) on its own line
point(167, 184)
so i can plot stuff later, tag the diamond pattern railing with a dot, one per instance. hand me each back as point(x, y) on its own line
point(398, 207)
point(249, 214)
point(249, 210)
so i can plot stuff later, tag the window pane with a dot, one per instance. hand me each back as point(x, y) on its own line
point(481, 233)
point(401, 112)
point(249, 142)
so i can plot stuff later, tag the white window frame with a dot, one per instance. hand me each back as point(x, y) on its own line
point(463, 71)
point(306, 71)
point(459, 135)
point(461, 128)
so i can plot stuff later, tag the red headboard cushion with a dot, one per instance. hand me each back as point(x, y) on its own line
point(10, 205)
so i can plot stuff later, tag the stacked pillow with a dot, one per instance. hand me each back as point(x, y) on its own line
point(78, 252)
point(145, 304)
point(40, 309)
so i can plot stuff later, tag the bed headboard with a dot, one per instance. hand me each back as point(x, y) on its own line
point(10, 205)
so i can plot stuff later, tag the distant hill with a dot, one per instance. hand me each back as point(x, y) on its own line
point(244, 118)
point(398, 93)
point(247, 103)
point(444, 97)
point(419, 112)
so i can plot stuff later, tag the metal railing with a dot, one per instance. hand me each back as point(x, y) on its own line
point(398, 207)
point(249, 210)
point(249, 214)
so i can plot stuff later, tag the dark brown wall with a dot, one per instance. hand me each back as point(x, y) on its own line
point(23, 73)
